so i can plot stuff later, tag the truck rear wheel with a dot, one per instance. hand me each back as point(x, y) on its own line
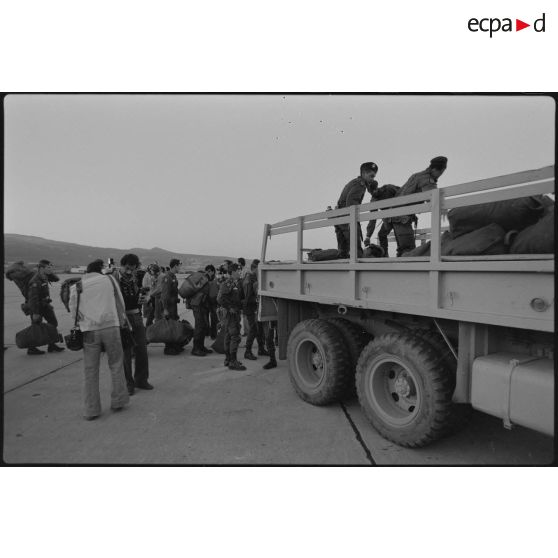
point(403, 389)
point(356, 338)
point(319, 363)
point(461, 413)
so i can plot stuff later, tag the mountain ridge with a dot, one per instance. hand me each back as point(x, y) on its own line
point(31, 249)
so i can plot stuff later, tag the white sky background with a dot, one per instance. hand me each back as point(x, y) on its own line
point(202, 174)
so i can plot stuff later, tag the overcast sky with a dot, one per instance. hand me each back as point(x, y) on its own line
point(202, 174)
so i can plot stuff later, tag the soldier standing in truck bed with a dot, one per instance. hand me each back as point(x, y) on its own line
point(418, 182)
point(352, 194)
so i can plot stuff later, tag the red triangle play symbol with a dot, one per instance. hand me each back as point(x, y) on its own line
point(519, 25)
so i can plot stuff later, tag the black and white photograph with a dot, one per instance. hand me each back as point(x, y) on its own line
point(279, 279)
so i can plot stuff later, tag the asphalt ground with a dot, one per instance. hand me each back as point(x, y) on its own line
point(202, 413)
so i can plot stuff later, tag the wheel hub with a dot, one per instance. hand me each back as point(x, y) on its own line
point(402, 386)
point(317, 361)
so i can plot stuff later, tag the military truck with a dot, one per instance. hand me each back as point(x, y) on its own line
point(422, 340)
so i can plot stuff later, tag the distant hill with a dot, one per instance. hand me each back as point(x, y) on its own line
point(31, 249)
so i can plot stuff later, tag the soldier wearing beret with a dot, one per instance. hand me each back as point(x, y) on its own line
point(352, 194)
point(418, 182)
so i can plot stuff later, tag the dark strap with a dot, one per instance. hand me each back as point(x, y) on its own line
point(78, 290)
point(122, 318)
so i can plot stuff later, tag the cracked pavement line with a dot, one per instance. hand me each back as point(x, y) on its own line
point(43, 376)
point(358, 436)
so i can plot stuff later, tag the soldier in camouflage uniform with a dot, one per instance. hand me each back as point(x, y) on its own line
point(418, 182)
point(353, 194)
point(169, 301)
point(230, 299)
point(39, 302)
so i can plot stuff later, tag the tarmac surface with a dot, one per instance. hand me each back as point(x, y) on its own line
point(203, 413)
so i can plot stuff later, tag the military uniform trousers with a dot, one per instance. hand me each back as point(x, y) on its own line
point(270, 331)
point(200, 326)
point(343, 234)
point(231, 323)
point(254, 332)
point(47, 313)
point(404, 236)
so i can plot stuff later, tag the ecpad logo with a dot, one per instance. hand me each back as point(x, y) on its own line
point(493, 25)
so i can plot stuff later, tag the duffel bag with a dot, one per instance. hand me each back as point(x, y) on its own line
point(219, 344)
point(489, 240)
point(536, 239)
point(373, 251)
point(192, 284)
point(37, 335)
point(422, 250)
point(319, 255)
point(509, 214)
point(167, 331)
point(482, 242)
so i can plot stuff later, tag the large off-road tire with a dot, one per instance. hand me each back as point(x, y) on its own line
point(404, 390)
point(444, 355)
point(461, 413)
point(319, 362)
point(355, 339)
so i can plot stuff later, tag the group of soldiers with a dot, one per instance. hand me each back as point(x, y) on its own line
point(402, 226)
point(221, 302)
point(218, 303)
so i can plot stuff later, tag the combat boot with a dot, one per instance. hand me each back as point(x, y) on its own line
point(54, 348)
point(249, 354)
point(35, 351)
point(227, 359)
point(272, 362)
point(234, 363)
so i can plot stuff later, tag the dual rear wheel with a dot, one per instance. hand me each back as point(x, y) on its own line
point(403, 382)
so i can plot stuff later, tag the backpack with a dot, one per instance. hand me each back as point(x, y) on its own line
point(65, 290)
point(20, 274)
point(192, 284)
point(385, 192)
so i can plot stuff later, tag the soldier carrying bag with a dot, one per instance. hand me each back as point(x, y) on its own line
point(192, 284)
point(37, 335)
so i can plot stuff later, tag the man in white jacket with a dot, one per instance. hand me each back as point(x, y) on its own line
point(100, 314)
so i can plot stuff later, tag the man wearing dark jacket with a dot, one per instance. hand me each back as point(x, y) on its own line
point(230, 298)
point(130, 287)
point(418, 182)
point(353, 194)
point(200, 305)
point(169, 301)
point(39, 302)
